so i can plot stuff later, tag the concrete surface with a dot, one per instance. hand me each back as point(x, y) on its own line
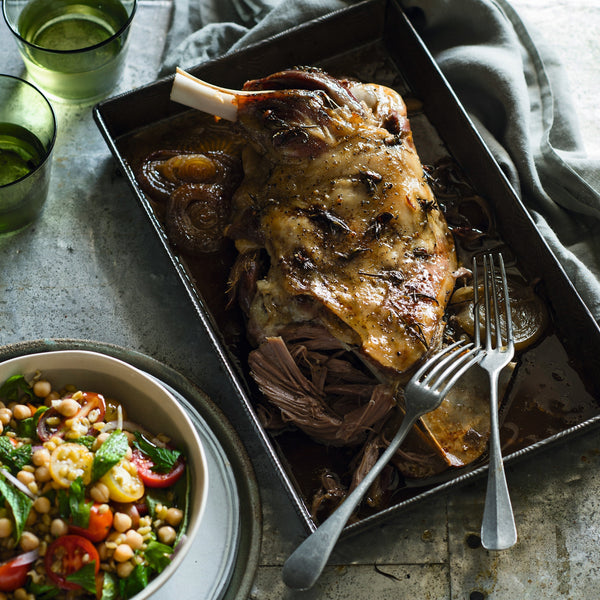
point(92, 268)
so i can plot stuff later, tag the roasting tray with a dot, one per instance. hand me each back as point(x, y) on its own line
point(555, 391)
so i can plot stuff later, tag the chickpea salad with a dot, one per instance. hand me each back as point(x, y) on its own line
point(91, 504)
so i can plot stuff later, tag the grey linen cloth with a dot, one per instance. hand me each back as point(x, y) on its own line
point(508, 79)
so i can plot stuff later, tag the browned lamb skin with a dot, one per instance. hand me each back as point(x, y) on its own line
point(335, 207)
point(354, 236)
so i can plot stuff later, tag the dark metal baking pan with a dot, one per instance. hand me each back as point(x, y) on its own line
point(375, 41)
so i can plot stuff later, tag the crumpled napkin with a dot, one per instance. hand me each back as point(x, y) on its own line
point(508, 79)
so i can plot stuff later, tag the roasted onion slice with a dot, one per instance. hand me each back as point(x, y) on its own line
point(528, 312)
point(163, 171)
point(196, 217)
point(151, 176)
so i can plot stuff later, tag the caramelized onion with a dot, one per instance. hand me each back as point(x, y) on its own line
point(163, 171)
point(528, 312)
point(196, 217)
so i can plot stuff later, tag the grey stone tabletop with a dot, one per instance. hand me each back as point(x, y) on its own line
point(91, 268)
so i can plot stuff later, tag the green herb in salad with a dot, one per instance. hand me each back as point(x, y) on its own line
point(135, 583)
point(73, 505)
point(85, 577)
point(164, 459)
point(158, 555)
point(110, 453)
point(19, 503)
point(14, 388)
point(26, 428)
point(14, 458)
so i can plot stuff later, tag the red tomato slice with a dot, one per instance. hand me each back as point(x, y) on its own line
point(65, 556)
point(89, 401)
point(98, 527)
point(150, 478)
point(13, 573)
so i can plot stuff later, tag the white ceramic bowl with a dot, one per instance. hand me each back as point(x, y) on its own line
point(147, 403)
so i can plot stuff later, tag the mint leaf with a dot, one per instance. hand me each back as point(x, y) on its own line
point(158, 555)
point(110, 453)
point(85, 577)
point(15, 387)
point(164, 459)
point(79, 509)
point(19, 503)
point(42, 592)
point(27, 428)
point(110, 589)
point(136, 582)
point(14, 458)
point(86, 440)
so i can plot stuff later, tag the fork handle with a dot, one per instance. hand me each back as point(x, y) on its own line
point(498, 529)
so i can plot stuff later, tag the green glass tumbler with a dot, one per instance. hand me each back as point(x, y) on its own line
point(27, 135)
point(74, 50)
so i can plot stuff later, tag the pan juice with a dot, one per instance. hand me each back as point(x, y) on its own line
point(72, 49)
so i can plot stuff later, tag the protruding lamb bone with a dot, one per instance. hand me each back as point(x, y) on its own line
point(209, 98)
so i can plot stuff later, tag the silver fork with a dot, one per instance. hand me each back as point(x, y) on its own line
point(424, 393)
point(498, 529)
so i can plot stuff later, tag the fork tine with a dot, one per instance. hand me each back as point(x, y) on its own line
point(507, 311)
point(437, 362)
point(476, 304)
point(488, 278)
point(465, 362)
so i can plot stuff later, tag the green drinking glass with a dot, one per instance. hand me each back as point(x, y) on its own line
point(73, 49)
point(27, 135)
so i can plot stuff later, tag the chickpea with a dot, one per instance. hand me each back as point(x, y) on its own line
point(29, 541)
point(122, 522)
point(31, 518)
point(174, 516)
point(100, 492)
point(5, 416)
point(124, 569)
point(115, 537)
point(41, 388)
point(21, 594)
point(166, 535)
point(42, 474)
point(42, 505)
point(25, 477)
point(68, 407)
point(103, 552)
point(21, 411)
point(40, 457)
point(58, 527)
point(122, 553)
point(51, 397)
point(6, 527)
point(134, 539)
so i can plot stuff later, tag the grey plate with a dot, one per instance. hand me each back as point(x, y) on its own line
point(209, 566)
point(223, 561)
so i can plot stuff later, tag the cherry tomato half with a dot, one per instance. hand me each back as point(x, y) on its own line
point(99, 525)
point(13, 573)
point(65, 556)
point(91, 401)
point(152, 479)
point(71, 460)
point(123, 482)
